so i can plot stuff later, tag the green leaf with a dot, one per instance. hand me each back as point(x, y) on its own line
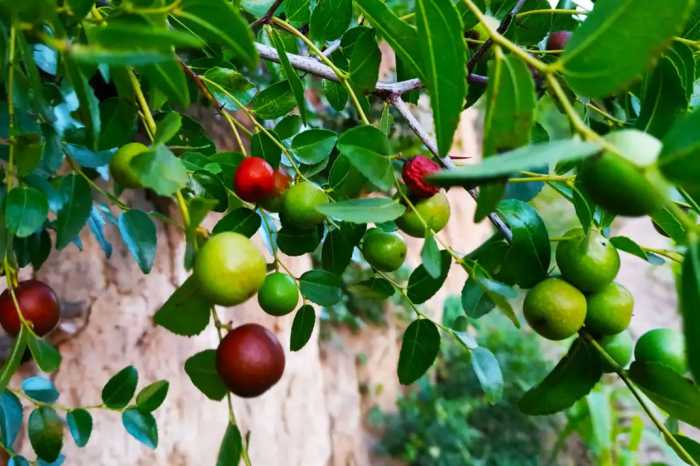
point(624, 243)
point(290, 73)
point(373, 288)
point(45, 430)
point(88, 110)
point(264, 146)
point(40, 389)
point(572, 378)
point(530, 251)
point(26, 209)
point(488, 372)
point(118, 117)
point(419, 348)
point(689, 445)
point(298, 242)
point(167, 128)
point(120, 388)
point(302, 327)
point(298, 11)
point(364, 61)
point(10, 417)
point(141, 426)
point(314, 145)
point(615, 44)
point(680, 156)
point(186, 312)
point(201, 369)
point(430, 257)
point(491, 291)
point(231, 447)
point(366, 210)
point(513, 162)
point(159, 170)
point(274, 101)
point(80, 426)
point(338, 246)
point(442, 52)
point(95, 55)
point(242, 220)
point(140, 36)
point(330, 19)
point(368, 150)
point(227, 83)
point(28, 151)
point(402, 37)
point(169, 79)
point(336, 94)
point(422, 286)
point(510, 105)
point(139, 234)
point(475, 301)
point(152, 396)
point(663, 93)
point(75, 211)
point(320, 287)
point(219, 22)
point(673, 393)
point(690, 305)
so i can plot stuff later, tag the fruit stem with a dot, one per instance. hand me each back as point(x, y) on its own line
point(95, 186)
point(685, 456)
point(342, 75)
point(10, 175)
point(546, 11)
point(259, 126)
point(146, 115)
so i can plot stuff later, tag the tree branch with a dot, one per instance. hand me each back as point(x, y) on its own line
point(502, 29)
point(313, 66)
point(413, 123)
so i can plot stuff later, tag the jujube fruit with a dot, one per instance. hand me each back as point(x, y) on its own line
point(229, 269)
point(557, 40)
point(588, 262)
point(609, 310)
point(299, 205)
point(384, 251)
point(617, 185)
point(555, 309)
point(414, 172)
point(39, 306)
point(250, 360)
point(279, 294)
point(254, 180)
point(120, 167)
point(435, 211)
point(619, 347)
point(274, 202)
point(663, 346)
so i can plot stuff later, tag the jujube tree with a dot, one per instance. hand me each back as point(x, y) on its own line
point(598, 105)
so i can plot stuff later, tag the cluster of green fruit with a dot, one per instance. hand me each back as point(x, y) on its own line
point(587, 297)
point(229, 269)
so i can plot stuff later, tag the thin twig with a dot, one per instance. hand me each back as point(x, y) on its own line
point(502, 29)
point(264, 19)
point(413, 123)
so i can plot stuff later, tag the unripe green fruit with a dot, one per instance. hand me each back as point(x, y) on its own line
point(435, 211)
point(619, 347)
point(119, 165)
point(299, 205)
point(609, 310)
point(279, 294)
point(384, 251)
point(229, 269)
point(663, 346)
point(555, 309)
point(588, 262)
point(618, 186)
